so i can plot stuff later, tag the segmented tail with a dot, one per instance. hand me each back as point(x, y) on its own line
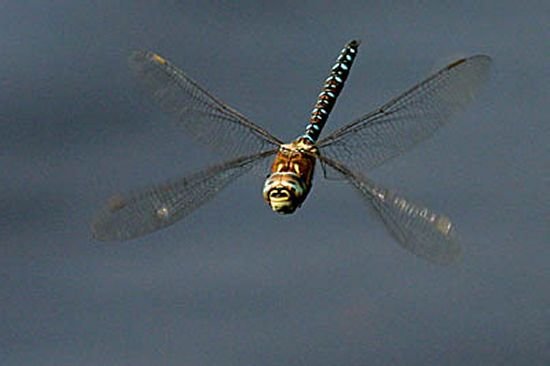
point(333, 85)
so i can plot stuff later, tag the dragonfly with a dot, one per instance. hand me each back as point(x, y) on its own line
point(349, 152)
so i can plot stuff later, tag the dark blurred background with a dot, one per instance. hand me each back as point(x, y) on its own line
point(235, 284)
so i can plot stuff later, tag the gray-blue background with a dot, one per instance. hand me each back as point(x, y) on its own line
point(235, 284)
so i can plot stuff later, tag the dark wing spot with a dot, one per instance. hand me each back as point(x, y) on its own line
point(456, 63)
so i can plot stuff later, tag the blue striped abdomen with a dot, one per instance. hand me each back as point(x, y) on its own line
point(331, 89)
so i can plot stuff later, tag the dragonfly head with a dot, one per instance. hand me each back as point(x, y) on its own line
point(284, 192)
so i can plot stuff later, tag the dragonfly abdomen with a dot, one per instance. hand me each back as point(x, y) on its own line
point(331, 89)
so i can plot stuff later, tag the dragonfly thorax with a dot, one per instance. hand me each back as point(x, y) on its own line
point(289, 183)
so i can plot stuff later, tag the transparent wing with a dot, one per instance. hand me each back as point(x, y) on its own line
point(203, 117)
point(140, 213)
point(419, 230)
point(408, 119)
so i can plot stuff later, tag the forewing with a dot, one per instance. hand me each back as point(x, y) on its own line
point(203, 117)
point(418, 229)
point(408, 119)
point(142, 212)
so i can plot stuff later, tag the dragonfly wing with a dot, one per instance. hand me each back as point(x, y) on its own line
point(142, 212)
point(418, 229)
point(408, 119)
point(203, 117)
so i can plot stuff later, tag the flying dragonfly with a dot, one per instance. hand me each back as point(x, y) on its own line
point(350, 151)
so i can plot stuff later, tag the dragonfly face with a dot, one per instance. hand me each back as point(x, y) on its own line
point(289, 183)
